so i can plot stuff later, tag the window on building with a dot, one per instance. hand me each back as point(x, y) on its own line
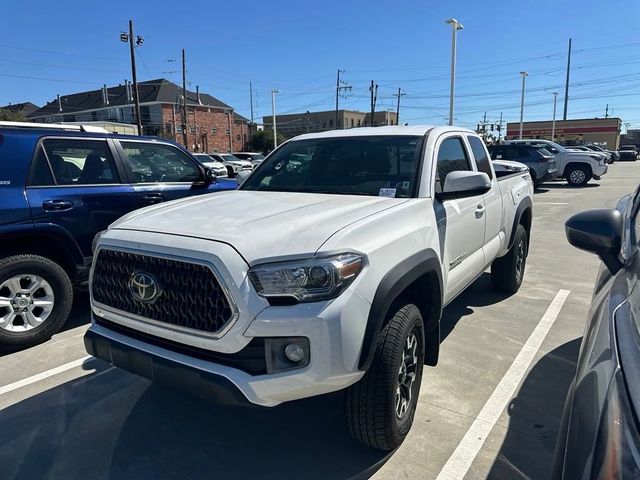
point(193, 129)
point(330, 123)
point(226, 131)
point(214, 130)
point(178, 128)
point(352, 123)
point(77, 162)
point(359, 123)
point(238, 137)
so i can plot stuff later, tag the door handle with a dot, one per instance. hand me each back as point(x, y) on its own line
point(57, 205)
point(480, 210)
point(153, 198)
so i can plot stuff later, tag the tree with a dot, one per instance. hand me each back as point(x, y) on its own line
point(262, 141)
point(9, 116)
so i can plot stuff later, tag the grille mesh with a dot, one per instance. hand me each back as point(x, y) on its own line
point(191, 295)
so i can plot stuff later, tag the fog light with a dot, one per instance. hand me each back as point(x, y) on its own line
point(294, 352)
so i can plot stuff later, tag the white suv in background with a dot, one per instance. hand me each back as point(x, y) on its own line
point(577, 168)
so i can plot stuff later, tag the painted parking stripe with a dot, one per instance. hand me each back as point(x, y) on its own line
point(467, 450)
point(49, 373)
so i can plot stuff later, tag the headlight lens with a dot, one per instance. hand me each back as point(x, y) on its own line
point(96, 239)
point(307, 280)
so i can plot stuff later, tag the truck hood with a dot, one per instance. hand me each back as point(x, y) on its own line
point(258, 225)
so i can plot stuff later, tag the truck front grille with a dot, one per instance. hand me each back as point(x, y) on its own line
point(189, 294)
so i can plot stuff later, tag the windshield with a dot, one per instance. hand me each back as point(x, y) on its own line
point(375, 166)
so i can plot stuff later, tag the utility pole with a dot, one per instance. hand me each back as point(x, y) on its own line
point(566, 84)
point(524, 75)
point(184, 100)
point(374, 96)
point(455, 26)
point(124, 37)
point(230, 132)
point(553, 123)
point(340, 87)
point(499, 127)
point(251, 100)
point(308, 123)
point(606, 112)
point(399, 94)
point(273, 113)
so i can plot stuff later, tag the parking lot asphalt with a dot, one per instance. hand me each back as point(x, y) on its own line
point(490, 409)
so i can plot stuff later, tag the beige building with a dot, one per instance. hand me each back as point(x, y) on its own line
point(590, 130)
point(298, 123)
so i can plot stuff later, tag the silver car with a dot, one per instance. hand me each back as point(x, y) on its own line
point(218, 167)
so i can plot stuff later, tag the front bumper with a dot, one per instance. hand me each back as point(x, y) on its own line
point(600, 170)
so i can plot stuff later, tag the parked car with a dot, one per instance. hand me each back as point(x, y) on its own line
point(233, 164)
point(541, 162)
point(215, 165)
point(583, 148)
point(599, 435)
point(254, 157)
point(576, 167)
point(614, 156)
point(60, 186)
point(628, 152)
point(335, 278)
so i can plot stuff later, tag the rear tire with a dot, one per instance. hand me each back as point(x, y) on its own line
point(578, 175)
point(20, 276)
point(507, 272)
point(380, 408)
point(534, 178)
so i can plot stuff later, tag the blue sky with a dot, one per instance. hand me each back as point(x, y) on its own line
point(50, 48)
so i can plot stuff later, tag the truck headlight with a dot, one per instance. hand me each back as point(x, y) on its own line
point(309, 280)
point(96, 239)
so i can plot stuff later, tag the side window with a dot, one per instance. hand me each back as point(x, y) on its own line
point(80, 162)
point(452, 157)
point(40, 174)
point(480, 154)
point(154, 163)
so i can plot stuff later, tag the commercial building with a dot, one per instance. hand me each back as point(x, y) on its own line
point(212, 126)
point(632, 137)
point(294, 124)
point(589, 130)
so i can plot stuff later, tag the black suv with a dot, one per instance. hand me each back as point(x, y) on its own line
point(541, 162)
point(59, 187)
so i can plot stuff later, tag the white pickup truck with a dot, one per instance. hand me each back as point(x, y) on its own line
point(334, 279)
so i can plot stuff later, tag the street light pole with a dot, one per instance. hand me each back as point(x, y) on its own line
point(524, 75)
point(273, 114)
point(455, 26)
point(553, 123)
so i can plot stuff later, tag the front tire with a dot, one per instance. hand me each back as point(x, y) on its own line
point(35, 299)
point(380, 408)
point(578, 175)
point(507, 272)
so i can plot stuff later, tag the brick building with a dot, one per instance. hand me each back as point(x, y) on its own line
point(596, 130)
point(294, 124)
point(212, 126)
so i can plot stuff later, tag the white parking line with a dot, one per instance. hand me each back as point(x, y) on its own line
point(49, 373)
point(467, 450)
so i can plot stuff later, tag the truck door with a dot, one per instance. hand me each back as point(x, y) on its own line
point(461, 221)
point(493, 236)
point(76, 184)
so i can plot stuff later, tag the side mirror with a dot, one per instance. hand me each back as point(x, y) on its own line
point(209, 176)
point(464, 183)
point(600, 232)
point(242, 176)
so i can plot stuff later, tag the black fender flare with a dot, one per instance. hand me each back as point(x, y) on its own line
point(45, 230)
point(391, 286)
point(525, 204)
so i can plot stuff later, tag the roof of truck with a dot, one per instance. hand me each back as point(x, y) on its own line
point(415, 130)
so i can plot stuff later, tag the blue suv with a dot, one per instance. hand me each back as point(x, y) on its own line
point(59, 187)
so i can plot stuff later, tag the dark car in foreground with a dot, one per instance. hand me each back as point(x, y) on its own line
point(599, 433)
point(541, 162)
point(628, 152)
point(61, 185)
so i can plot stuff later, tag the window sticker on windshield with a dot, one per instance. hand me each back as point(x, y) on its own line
point(387, 192)
point(405, 185)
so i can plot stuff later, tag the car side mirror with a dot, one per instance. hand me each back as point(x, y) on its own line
point(209, 176)
point(598, 231)
point(464, 183)
point(242, 176)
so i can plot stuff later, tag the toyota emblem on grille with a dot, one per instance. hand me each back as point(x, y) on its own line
point(144, 287)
